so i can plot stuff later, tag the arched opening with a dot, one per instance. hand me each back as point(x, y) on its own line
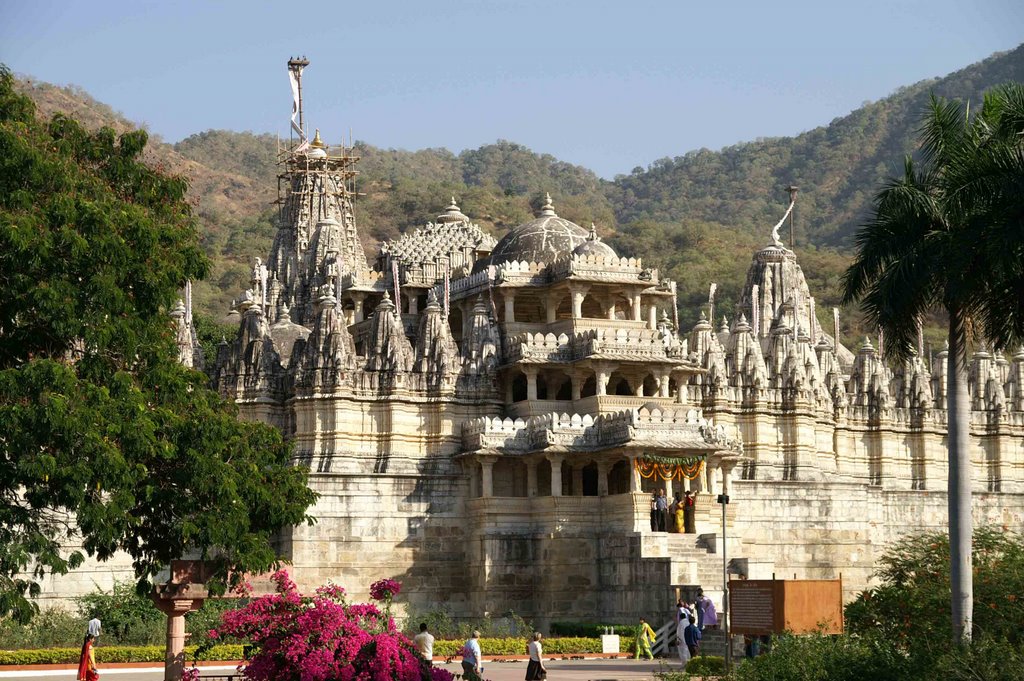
point(589, 388)
point(564, 390)
point(528, 310)
point(519, 387)
point(592, 309)
point(618, 478)
point(455, 323)
point(564, 310)
point(619, 385)
point(421, 302)
point(590, 475)
point(650, 386)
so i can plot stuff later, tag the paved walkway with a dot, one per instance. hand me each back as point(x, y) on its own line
point(558, 670)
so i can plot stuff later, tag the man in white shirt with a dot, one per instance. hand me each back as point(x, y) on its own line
point(94, 628)
point(424, 643)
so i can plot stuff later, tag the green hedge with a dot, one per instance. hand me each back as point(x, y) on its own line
point(706, 665)
point(490, 646)
point(113, 654)
point(589, 630)
point(517, 646)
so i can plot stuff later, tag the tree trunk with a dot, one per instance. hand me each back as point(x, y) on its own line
point(961, 525)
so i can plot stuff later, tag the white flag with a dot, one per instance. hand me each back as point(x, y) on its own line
point(294, 79)
point(711, 294)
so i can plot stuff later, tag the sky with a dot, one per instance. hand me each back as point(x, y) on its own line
point(607, 85)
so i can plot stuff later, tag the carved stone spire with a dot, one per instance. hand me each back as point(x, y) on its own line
point(436, 352)
point(329, 352)
point(388, 349)
point(480, 352)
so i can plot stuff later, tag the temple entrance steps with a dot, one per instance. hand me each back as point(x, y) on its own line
point(695, 562)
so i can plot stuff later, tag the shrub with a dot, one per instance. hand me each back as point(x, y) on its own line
point(816, 657)
point(51, 628)
point(322, 637)
point(127, 616)
point(589, 630)
point(442, 625)
point(706, 665)
point(517, 646)
point(116, 654)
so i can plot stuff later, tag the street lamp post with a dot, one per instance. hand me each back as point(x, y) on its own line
point(723, 499)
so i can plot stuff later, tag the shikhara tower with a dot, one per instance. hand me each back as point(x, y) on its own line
point(485, 420)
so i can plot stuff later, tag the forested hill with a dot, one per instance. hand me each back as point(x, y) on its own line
point(698, 217)
point(838, 167)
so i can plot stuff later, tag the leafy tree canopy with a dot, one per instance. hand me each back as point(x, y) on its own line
point(104, 438)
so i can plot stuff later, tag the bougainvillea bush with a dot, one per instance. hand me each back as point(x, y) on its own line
point(323, 638)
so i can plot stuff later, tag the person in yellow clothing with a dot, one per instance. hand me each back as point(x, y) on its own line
point(645, 638)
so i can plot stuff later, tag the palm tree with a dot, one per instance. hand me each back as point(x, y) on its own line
point(946, 235)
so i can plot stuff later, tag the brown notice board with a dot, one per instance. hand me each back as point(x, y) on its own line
point(772, 606)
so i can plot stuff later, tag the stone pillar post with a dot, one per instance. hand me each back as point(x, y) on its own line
point(531, 382)
point(610, 309)
point(601, 375)
point(551, 303)
point(577, 480)
point(577, 304)
point(727, 465)
point(357, 301)
point(175, 601)
point(414, 302)
point(531, 478)
point(510, 306)
point(652, 317)
point(556, 474)
point(603, 468)
point(637, 316)
point(577, 384)
point(487, 475)
point(638, 390)
point(663, 384)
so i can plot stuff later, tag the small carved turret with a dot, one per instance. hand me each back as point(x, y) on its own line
point(436, 352)
point(388, 350)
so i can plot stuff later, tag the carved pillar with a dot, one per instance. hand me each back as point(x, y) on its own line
point(357, 301)
point(578, 294)
point(487, 475)
point(727, 465)
point(175, 601)
point(610, 308)
point(510, 306)
point(531, 477)
point(637, 316)
point(577, 480)
point(602, 373)
point(634, 475)
point(577, 384)
point(663, 384)
point(603, 468)
point(556, 474)
point(551, 303)
point(638, 390)
point(531, 382)
point(652, 317)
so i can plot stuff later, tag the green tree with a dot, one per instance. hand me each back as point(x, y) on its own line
point(922, 248)
point(104, 437)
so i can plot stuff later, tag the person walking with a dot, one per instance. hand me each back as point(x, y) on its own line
point(684, 653)
point(679, 515)
point(93, 628)
point(424, 642)
point(535, 669)
point(645, 638)
point(472, 666)
point(87, 670)
point(692, 637)
point(706, 613)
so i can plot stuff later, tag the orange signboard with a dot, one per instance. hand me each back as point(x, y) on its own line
point(772, 606)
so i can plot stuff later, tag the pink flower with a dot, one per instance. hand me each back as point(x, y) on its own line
point(213, 633)
point(384, 589)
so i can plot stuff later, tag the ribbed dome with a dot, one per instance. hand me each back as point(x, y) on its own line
point(544, 239)
point(594, 247)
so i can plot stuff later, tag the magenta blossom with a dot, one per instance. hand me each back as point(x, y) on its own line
point(323, 638)
point(384, 589)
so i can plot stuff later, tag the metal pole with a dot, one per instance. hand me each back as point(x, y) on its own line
point(723, 499)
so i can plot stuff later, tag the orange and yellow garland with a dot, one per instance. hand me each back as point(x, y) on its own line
point(670, 469)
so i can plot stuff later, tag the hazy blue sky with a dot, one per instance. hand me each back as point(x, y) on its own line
point(608, 85)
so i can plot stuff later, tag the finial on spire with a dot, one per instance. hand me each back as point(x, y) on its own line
point(548, 209)
point(317, 143)
point(593, 233)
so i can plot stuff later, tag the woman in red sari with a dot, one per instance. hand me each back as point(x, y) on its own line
point(87, 662)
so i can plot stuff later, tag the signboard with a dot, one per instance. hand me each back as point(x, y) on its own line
point(772, 606)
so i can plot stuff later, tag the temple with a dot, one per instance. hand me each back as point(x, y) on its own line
point(486, 420)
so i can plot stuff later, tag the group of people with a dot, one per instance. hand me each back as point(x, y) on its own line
point(691, 619)
point(472, 656)
point(674, 516)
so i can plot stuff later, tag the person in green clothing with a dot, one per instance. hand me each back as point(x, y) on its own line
point(645, 637)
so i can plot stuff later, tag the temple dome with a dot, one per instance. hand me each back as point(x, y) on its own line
point(544, 239)
point(594, 247)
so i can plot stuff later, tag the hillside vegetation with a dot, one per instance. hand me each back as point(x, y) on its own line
point(698, 217)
